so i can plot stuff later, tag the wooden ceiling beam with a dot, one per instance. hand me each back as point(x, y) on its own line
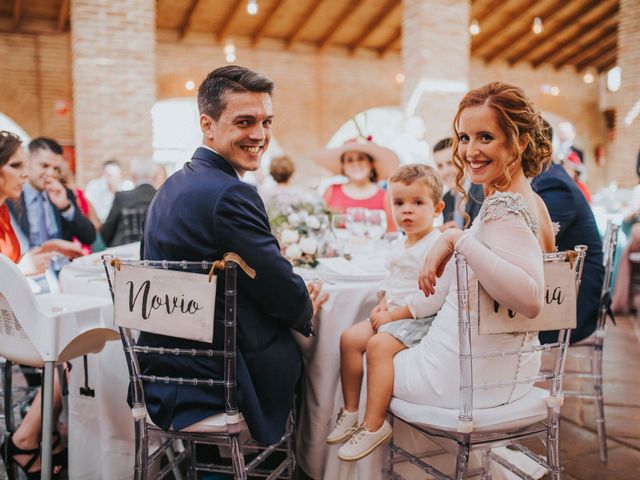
point(605, 19)
point(603, 58)
point(586, 49)
point(351, 7)
point(17, 13)
point(550, 29)
point(488, 36)
point(265, 23)
point(374, 23)
point(603, 67)
point(186, 21)
point(382, 51)
point(489, 9)
point(63, 15)
point(304, 21)
point(231, 16)
point(605, 50)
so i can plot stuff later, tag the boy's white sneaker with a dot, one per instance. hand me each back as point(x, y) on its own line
point(363, 442)
point(344, 427)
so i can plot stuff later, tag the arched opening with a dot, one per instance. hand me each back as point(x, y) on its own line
point(7, 124)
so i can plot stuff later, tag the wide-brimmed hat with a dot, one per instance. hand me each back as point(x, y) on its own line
point(573, 160)
point(384, 160)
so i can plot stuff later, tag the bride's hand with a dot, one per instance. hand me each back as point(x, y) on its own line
point(437, 259)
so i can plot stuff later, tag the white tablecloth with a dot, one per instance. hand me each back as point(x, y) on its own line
point(101, 438)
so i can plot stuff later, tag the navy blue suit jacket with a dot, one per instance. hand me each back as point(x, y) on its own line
point(472, 207)
point(568, 207)
point(200, 213)
point(79, 226)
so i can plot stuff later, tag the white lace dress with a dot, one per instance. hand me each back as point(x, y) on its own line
point(502, 250)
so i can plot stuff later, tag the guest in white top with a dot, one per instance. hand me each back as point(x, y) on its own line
point(395, 324)
point(499, 142)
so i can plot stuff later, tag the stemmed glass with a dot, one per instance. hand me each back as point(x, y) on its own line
point(357, 221)
point(340, 231)
point(376, 224)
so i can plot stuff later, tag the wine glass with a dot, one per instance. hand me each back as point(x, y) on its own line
point(376, 224)
point(357, 221)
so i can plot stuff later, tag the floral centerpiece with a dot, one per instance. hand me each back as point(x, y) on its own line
point(299, 222)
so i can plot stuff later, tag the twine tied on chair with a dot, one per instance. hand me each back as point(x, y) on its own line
point(234, 257)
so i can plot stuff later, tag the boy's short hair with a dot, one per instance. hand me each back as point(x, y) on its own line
point(413, 172)
point(443, 145)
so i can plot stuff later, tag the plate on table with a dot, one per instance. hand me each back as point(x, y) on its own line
point(339, 269)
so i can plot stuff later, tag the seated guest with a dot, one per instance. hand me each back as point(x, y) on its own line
point(364, 163)
point(203, 211)
point(46, 209)
point(576, 169)
point(101, 191)
point(123, 225)
point(282, 193)
point(23, 446)
point(454, 213)
point(570, 211)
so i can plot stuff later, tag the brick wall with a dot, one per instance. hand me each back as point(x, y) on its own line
point(35, 74)
point(315, 94)
point(113, 53)
point(627, 99)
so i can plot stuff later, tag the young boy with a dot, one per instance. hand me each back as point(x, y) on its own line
point(416, 199)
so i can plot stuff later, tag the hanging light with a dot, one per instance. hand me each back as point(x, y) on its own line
point(252, 7)
point(400, 77)
point(190, 85)
point(588, 77)
point(230, 51)
point(536, 26)
point(554, 90)
point(474, 27)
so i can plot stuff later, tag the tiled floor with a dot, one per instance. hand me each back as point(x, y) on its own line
point(622, 410)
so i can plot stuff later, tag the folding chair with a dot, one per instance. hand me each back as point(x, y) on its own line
point(226, 429)
point(536, 415)
point(591, 348)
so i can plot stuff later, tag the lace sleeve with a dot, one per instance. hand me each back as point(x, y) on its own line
point(503, 204)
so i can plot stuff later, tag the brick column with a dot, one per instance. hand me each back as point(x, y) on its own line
point(627, 99)
point(114, 81)
point(435, 53)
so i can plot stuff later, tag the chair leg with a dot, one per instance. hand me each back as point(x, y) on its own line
point(192, 473)
point(486, 465)
point(599, 403)
point(171, 457)
point(47, 420)
point(462, 462)
point(387, 465)
point(237, 456)
point(291, 454)
point(12, 469)
point(553, 447)
point(142, 450)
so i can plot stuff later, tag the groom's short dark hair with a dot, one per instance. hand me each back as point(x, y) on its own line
point(212, 92)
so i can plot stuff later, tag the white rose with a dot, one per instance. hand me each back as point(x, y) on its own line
point(308, 245)
point(293, 219)
point(289, 236)
point(293, 252)
point(313, 223)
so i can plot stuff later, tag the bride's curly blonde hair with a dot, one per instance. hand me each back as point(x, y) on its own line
point(519, 120)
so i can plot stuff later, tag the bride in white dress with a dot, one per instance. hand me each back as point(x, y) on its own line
point(499, 143)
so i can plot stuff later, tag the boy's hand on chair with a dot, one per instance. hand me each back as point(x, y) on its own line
point(380, 318)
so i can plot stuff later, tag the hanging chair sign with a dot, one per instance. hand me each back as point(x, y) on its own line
point(558, 311)
point(166, 302)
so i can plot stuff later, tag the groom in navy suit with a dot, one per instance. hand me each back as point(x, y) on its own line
point(203, 211)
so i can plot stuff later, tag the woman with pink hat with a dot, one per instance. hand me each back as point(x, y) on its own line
point(364, 163)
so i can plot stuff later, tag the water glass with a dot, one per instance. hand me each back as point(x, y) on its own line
point(357, 221)
point(376, 224)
